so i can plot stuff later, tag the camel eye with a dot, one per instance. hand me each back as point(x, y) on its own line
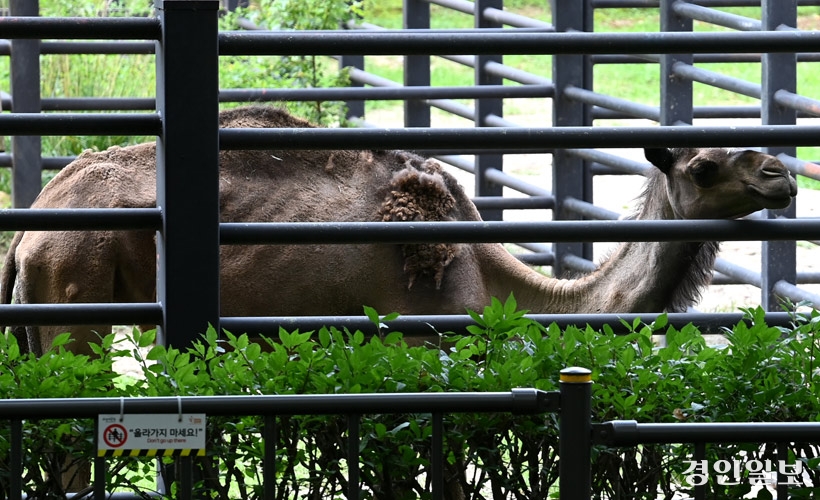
point(704, 174)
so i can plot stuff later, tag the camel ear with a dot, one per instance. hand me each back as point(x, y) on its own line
point(661, 158)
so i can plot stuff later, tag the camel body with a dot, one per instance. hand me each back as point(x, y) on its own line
point(361, 186)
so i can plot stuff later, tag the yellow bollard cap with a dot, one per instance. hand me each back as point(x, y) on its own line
point(576, 375)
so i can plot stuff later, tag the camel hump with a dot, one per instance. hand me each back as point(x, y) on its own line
point(419, 192)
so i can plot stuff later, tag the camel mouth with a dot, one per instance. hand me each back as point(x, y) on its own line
point(780, 197)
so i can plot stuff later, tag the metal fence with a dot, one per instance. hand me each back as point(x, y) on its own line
point(575, 103)
point(575, 109)
point(186, 48)
point(570, 403)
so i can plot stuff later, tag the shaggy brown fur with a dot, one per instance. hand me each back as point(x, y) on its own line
point(418, 193)
point(281, 185)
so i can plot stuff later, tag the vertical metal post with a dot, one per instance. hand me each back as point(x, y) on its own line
point(700, 454)
point(575, 434)
point(782, 480)
point(486, 107)
point(353, 456)
point(416, 15)
point(186, 478)
point(16, 461)
point(99, 468)
point(571, 177)
point(355, 109)
point(26, 151)
point(779, 258)
point(188, 169)
point(271, 439)
point(437, 456)
point(676, 93)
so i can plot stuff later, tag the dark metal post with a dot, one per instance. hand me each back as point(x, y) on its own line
point(271, 437)
point(26, 151)
point(188, 169)
point(437, 456)
point(16, 460)
point(676, 93)
point(100, 472)
point(353, 424)
point(700, 454)
point(575, 434)
point(186, 478)
point(416, 68)
point(355, 109)
point(484, 108)
point(571, 177)
point(779, 258)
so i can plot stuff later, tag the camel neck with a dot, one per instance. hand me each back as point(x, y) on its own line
point(637, 277)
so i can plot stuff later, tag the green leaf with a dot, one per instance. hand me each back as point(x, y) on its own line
point(61, 339)
point(372, 315)
point(660, 322)
point(147, 339)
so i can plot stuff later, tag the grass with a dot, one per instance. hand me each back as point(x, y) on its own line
point(634, 82)
point(133, 75)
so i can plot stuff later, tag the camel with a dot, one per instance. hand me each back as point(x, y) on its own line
point(293, 280)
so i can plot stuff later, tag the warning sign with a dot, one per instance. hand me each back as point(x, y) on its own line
point(151, 434)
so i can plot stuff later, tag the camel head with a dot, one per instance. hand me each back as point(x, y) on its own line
point(715, 183)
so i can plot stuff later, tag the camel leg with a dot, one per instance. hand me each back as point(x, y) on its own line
point(51, 271)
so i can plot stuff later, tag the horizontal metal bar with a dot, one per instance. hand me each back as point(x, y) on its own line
point(385, 93)
point(514, 138)
point(614, 103)
point(453, 107)
point(81, 314)
point(49, 162)
point(576, 263)
point(515, 183)
point(801, 167)
point(795, 294)
point(80, 124)
point(697, 58)
point(515, 401)
point(431, 326)
point(536, 259)
point(114, 48)
point(80, 219)
point(98, 104)
point(430, 42)
point(739, 273)
point(81, 28)
point(718, 80)
point(630, 432)
point(516, 75)
point(708, 112)
point(515, 20)
point(620, 163)
point(363, 77)
point(797, 102)
point(726, 273)
point(462, 6)
point(284, 233)
point(720, 18)
point(622, 4)
point(521, 203)
point(586, 209)
point(55, 48)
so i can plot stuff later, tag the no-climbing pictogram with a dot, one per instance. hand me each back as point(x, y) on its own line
point(115, 435)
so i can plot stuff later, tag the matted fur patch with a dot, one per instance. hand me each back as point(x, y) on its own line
point(417, 195)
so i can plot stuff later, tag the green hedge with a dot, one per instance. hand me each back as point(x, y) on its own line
point(763, 374)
